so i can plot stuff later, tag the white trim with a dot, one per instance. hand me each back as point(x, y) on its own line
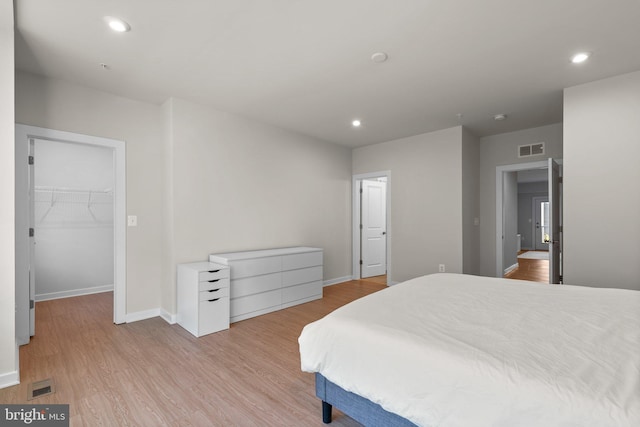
point(510, 268)
point(74, 293)
point(24, 132)
point(171, 319)
point(500, 170)
point(143, 315)
point(355, 224)
point(336, 281)
point(12, 378)
point(9, 379)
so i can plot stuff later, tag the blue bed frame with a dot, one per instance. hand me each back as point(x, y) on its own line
point(357, 407)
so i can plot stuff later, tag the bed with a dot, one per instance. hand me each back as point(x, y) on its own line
point(453, 350)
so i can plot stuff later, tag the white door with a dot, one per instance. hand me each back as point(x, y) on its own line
point(374, 228)
point(554, 222)
point(541, 230)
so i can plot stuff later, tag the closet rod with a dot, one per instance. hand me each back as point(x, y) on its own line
point(72, 190)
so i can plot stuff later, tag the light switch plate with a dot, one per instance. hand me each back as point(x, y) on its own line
point(132, 220)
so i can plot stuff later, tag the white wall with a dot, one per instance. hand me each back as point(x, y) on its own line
point(237, 184)
point(602, 183)
point(275, 188)
point(426, 199)
point(470, 203)
point(63, 106)
point(499, 150)
point(8, 348)
point(74, 227)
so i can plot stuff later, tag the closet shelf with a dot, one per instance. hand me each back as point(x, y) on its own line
point(55, 195)
point(38, 188)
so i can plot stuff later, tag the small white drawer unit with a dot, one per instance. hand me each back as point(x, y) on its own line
point(266, 280)
point(203, 297)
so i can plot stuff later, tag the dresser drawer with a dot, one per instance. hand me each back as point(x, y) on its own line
point(303, 275)
point(213, 294)
point(213, 316)
point(295, 261)
point(264, 300)
point(255, 266)
point(214, 274)
point(213, 284)
point(256, 284)
point(308, 291)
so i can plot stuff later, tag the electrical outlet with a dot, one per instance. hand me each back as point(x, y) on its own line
point(441, 268)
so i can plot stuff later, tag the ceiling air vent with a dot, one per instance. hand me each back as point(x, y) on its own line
point(528, 150)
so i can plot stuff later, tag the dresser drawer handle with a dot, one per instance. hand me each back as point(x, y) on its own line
point(213, 281)
point(212, 300)
point(213, 290)
point(213, 271)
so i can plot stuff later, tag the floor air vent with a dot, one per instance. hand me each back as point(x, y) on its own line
point(40, 388)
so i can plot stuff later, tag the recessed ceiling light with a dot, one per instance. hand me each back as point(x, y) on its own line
point(499, 117)
point(580, 57)
point(117, 24)
point(356, 123)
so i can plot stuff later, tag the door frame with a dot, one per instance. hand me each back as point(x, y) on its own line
point(500, 171)
point(355, 227)
point(24, 134)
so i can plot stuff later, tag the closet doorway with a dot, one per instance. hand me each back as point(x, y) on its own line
point(70, 220)
point(371, 226)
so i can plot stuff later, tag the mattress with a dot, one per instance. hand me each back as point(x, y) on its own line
point(459, 350)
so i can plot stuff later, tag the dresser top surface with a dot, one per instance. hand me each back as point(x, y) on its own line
point(234, 256)
point(202, 266)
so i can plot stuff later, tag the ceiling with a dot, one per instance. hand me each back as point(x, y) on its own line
point(306, 65)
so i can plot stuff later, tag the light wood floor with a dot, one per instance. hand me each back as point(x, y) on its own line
point(150, 373)
point(382, 280)
point(535, 270)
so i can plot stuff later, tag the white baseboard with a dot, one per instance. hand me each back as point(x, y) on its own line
point(74, 293)
point(511, 268)
point(9, 379)
point(12, 378)
point(337, 280)
point(148, 314)
point(345, 279)
point(171, 319)
point(142, 315)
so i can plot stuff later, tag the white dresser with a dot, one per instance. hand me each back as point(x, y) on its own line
point(272, 279)
point(203, 297)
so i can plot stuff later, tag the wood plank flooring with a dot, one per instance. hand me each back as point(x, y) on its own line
point(535, 270)
point(150, 373)
point(382, 280)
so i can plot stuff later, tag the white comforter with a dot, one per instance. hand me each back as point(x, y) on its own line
point(458, 350)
